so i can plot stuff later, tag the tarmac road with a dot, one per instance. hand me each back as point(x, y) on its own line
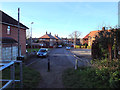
point(60, 59)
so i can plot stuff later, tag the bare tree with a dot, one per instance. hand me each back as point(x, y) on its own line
point(28, 34)
point(74, 35)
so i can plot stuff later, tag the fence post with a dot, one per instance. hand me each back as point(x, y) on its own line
point(48, 64)
point(21, 75)
point(76, 64)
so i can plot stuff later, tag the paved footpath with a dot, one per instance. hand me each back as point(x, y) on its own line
point(83, 54)
point(60, 60)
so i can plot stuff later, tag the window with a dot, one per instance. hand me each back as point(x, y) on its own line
point(8, 30)
point(51, 40)
point(40, 39)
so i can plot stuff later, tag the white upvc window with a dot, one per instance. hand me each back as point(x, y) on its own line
point(40, 39)
point(51, 39)
point(8, 30)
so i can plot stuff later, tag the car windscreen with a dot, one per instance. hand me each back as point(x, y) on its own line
point(42, 50)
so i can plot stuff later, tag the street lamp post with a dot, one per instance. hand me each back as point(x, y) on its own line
point(31, 36)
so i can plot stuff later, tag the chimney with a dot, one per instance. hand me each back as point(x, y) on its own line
point(57, 35)
point(46, 32)
point(50, 33)
point(103, 28)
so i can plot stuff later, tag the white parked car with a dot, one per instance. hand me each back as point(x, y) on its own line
point(59, 46)
point(26, 51)
point(68, 48)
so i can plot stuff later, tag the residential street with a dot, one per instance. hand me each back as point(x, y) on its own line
point(60, 59)
point(83, 54)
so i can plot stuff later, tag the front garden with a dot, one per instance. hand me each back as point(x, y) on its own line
point(31, 77)
point(104, 71)
point(102, 74)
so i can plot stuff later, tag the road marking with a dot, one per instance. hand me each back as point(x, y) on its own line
point(38, 60)
point(31, 63)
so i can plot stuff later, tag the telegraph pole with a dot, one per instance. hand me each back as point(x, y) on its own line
point(31, 36)
point(75, 39)
point(18, 33)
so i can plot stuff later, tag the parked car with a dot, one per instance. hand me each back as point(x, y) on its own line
point(26, 51)
point(59, 46)
point(72, 45)
point(68, 48)
point(43, 52)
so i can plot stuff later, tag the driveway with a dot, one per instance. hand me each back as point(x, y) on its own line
point(60, 60)
point(82, 53)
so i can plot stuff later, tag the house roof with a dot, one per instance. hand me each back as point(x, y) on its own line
point(57, 37)
point(8, 40)
point(6, 19)
point(47, 36)
point(86, 36)
point(93, 33)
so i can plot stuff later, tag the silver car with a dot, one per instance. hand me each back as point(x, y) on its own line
point(43, 52)
point(68, 48)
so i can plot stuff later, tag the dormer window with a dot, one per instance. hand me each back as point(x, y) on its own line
point(8, 30)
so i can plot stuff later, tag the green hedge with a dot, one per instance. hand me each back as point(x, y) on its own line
point(82, 46)
point(88, 47)
point(102, 74)
point(77, 46)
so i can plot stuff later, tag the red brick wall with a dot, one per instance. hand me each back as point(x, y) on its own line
point(85, 41)
point(0, 30)
point(14, 34)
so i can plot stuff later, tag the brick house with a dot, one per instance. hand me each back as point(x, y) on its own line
point(9, 29)
point(89, 38)
point(47, 40)
point(85, 39)
point(65, 40)
point(70, 41)
point(9, 48)
point(58, 40)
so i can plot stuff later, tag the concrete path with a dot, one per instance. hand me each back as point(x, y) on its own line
point(60, 60)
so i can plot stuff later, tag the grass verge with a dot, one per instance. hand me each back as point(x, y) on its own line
point(35, 49)
point(31, 77)
point(86, 77)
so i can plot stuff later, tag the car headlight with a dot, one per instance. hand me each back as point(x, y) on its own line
point(37, 53)
point(44, 53)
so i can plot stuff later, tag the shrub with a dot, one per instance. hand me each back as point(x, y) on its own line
point(88, 47)
point(102, 74)
point(85, 45)
point(108, 71)
point(82, 46)
point(77, 46)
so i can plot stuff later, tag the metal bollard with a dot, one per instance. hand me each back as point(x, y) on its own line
point(48, 64)
point(76, 64)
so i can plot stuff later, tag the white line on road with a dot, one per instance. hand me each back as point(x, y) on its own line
point(32, 62)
